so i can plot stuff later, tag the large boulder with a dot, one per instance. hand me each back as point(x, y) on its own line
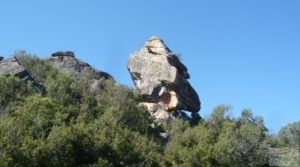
point(162, 80)
point(12, 67)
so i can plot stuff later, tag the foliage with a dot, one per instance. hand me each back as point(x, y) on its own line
point(71, 126)
point(39, 68)
point(290, 134)
point(68, 125)
point(14, 91)
point(220, 141)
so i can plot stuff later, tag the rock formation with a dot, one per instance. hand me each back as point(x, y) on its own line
point(64, 61)
point(67, 62)
point(12, 67)
point(61, 53)
point(162, 80)
point(157, 72)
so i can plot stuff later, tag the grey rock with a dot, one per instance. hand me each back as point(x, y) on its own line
point(61, 53)
point(162, 80)
point(67, 62)
point(164, 135)
point(12, 67)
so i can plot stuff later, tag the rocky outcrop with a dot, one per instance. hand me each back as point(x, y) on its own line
point(162, 80)
point(12, 67)
point(67, 62)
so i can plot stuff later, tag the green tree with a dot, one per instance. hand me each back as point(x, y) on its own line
point(220, 140)
point(241, 142)
point(13, 90)
point(289, 135)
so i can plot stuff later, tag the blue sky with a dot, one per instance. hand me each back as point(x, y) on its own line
point(240, 52)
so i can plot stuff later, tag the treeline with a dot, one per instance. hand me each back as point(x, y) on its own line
point(67, 125)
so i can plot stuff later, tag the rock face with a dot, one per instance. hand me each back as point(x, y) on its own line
point(67, 62)
point(12, 66)
point(162, 80)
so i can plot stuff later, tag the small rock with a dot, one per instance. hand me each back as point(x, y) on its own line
point(69, 54)
point(164, 135)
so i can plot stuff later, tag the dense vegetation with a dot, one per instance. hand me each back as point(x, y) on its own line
point(67, 125)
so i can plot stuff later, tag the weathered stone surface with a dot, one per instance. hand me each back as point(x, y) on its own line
point(61, 53)
point(12, 67)
point(67, 62)
point(162, 80)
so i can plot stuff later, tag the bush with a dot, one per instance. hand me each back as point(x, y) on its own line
point(68, 125)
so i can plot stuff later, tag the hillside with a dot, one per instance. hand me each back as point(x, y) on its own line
point(60, 111)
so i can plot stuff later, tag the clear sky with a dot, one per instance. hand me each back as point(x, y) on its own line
point(245, 53)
